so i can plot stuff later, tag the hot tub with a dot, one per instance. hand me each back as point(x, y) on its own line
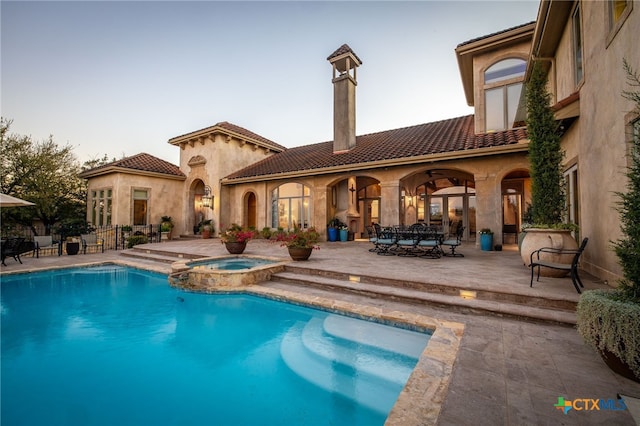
point(216, 273)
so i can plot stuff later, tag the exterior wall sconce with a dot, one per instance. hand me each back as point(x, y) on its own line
point(207, 197)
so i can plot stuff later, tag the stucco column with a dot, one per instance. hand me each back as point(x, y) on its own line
point(389, 203)
point(489, 205)
point(321, 193)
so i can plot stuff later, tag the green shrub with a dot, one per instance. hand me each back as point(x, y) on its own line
point(134, 240)
point(607, 322)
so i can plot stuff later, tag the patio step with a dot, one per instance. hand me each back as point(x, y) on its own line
point(484, 301)
point(157, 255)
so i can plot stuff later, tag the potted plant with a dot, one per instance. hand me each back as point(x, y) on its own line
point(486, 239)
point(166, 226)
point(547, 184)
point(332, 229)
point(235, 238)
point(344, 232)
point(609, 321)
point(206, 228)
point(299, 242)
point(266, 233)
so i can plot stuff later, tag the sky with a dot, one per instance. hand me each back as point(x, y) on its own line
point(122, 77)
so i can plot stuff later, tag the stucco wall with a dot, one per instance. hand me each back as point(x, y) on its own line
point(603, 116)
point(163, 196)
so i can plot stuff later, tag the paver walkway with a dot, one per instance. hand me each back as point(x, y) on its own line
point(507, 371)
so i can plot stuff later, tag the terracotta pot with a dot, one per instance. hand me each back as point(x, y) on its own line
point(235, 248)
point(617, 365)
point(537, 238)
point(300, 253)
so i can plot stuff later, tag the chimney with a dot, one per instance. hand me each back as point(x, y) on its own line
point(344, 62)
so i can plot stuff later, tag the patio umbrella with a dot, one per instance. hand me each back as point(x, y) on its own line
point(9, 201)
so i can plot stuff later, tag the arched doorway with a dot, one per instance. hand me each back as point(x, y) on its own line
point(443, 198)
point(515, 190)
point(198, 211)
point(251, 210)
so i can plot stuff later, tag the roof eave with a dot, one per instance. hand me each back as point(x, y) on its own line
point(522, 145)
point(217, 130)
point(114, 169)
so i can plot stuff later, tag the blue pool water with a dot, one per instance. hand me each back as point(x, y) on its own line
point(118, 346)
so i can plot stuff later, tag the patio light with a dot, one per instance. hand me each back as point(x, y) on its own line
point(207, 197)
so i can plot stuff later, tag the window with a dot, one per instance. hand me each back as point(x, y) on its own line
point(101, 207)
point(140, 199)
point(619, 10)
point(577, 45)
point(291, 206)
point(503, 88)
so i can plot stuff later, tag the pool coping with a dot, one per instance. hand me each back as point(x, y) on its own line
point(421, 399)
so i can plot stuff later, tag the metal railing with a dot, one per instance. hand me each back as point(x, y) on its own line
point(115, 237)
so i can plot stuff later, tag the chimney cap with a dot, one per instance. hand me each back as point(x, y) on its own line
point(339, 58)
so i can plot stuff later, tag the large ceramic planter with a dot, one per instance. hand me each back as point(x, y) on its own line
point(235, 248)
point(300, 253)
point(344, 235)
point(332, 234)
point(73, 248)
point(536, 238)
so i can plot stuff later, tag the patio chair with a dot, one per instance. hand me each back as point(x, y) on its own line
point(429, 243)
point(91, 241)
point(373, 237)
point(385, 241)
point(572, 267)
point(44, 244)
point(454, 241)
point(407, 241)
point(11, 248)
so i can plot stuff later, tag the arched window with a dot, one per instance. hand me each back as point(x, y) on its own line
point(503, 88)
point(291, 206)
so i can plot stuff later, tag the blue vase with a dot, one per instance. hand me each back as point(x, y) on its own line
point(486, 242)
point(332, 233)
point(344, 234)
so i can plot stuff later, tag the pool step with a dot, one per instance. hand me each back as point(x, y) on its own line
point(333, 365)
point(546, 309)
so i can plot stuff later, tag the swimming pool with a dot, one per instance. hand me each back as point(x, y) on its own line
point(113, 345)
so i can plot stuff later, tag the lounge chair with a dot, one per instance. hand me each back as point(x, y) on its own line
point(572, 267)
point(92, 241)
point(44, 245)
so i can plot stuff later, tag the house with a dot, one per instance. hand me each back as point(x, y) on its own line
point(471, 170)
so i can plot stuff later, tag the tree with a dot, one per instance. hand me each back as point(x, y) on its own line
point(628, 247)
point(43, 173)
point(545, 154)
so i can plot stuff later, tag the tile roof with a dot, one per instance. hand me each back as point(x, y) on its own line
point(142, 162)
point(473, 40)
point(231, 129)
point(341, 51)
point(446, 136)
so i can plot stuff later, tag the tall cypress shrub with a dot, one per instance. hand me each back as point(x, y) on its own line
point(628, 247)
point(545, 155)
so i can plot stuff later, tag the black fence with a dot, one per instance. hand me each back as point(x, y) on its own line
point(115, 237)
